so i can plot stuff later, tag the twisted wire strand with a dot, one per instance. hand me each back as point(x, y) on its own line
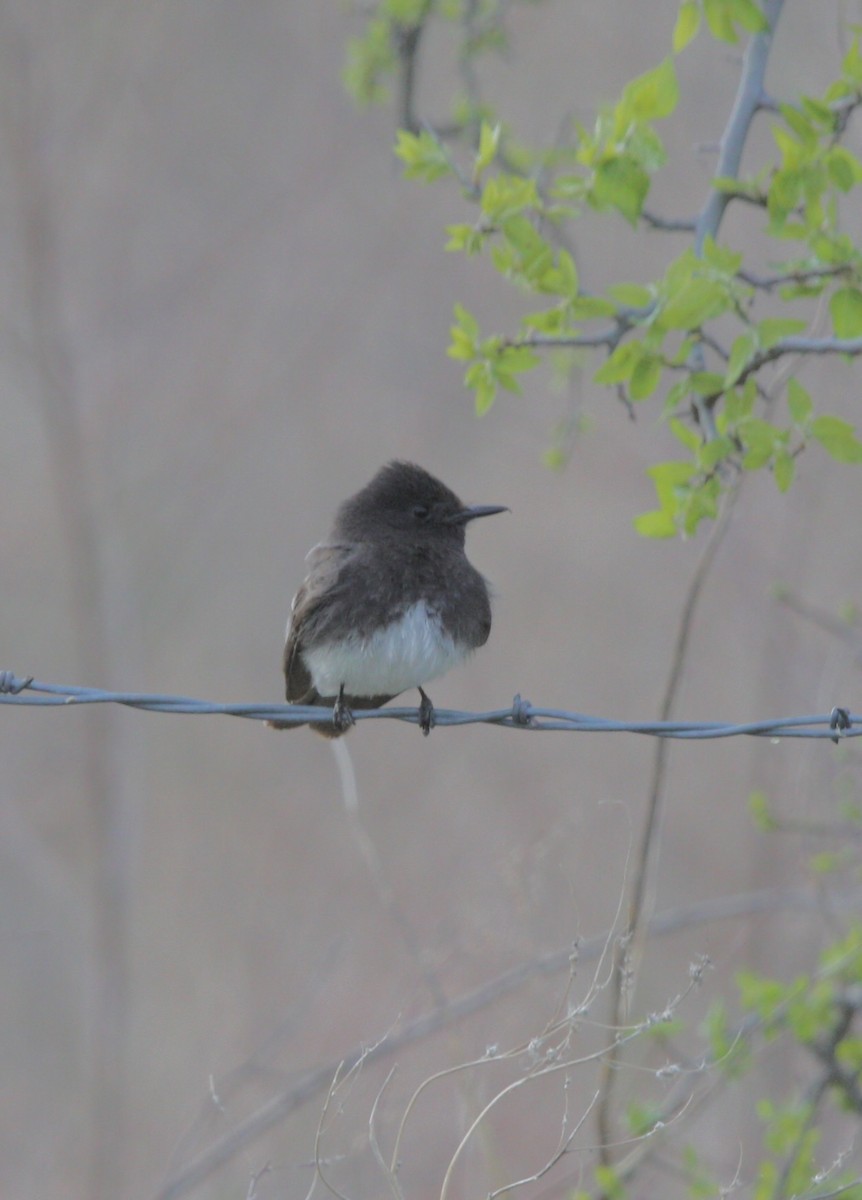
point(520, 714)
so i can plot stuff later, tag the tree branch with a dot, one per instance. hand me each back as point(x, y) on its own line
point(668, 224)
point(749, 98)
point(648, 854)
point(793, 345)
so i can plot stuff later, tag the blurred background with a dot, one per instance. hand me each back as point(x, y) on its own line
point(222, 309)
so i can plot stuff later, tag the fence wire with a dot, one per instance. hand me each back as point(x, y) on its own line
point(520, 714)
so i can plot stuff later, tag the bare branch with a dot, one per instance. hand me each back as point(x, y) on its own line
point(767, 283)
point(565, 1141)
point(389, 1173)
point(318, 1079)
point(647, 859)
point(801, 345)
point(668, 224)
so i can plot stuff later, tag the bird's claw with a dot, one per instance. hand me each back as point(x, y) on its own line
point(427, 720)
point(342, 717)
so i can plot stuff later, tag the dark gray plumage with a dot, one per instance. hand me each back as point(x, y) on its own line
point(390, 600)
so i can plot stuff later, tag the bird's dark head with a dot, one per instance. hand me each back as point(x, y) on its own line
point(404, 498)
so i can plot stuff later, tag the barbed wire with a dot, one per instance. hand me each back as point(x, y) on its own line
point(521, 714)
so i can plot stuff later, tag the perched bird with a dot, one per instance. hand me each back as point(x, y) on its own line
point(390, 600)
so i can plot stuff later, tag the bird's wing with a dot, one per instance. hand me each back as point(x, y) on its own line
point(307, 612)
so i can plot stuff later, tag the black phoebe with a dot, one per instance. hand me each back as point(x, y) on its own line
point(389, 602)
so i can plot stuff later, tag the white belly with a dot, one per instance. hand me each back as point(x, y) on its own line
point(403, 655)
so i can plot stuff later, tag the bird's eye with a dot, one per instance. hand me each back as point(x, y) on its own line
point(421, 512)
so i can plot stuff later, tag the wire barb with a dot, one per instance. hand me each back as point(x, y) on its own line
point(11, 686)
point(839, 720)
point(520, 714)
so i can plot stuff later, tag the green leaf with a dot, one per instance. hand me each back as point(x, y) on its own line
point(683, 351)
point(687, 25)
point(738, 405)
point(759, 439)
point(758, 803)
point(845, 306)
point(466, 238)
point(646, 147)
point(743, 350)
point(851, 67)
point(819, 112)
point(729, 1051)
point(505, 196)
point(824, 863)
point(798, 402)
point(706, 383)
point(620, 183)
point(369, 59)
point(714, 451)
point(464, 334)
point(801, 126)
point(685, 434)
point(783, 469)
point(517, 359)
point(525, 254)
point(731, 185)
point(721, 257)
point(481, 382)
point(655, 524)
point(837, 438)
point(700, 503)
point(548, 320)
point(422, 155)
point(562, 279)
point(676, 396)
point(773, 329)
point(406, 12)
point(555, 457)
point(698, 301)
point(571, 187)
point(653, 95)
point(843, 167)
point(645, 377)
point(632, 295)
point(584, 308)
point(506, 380)
point(619, 366)
point(489, 141)
point(668, 477)
point(610, 1183)
point(747, 13)
point(762, 995)
point(849, 1054)
point(640, 1118)
point(719, 22)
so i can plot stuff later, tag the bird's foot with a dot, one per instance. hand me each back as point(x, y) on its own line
point(342, 717)
point(427, 720)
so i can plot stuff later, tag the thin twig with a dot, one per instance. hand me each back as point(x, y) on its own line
point(647, 858)
point(390, 1174)
point(668, 224)
point(766, 283)
point(318, 1169)
point(310, 1084)
point(565, 1141)
point(540, 1073)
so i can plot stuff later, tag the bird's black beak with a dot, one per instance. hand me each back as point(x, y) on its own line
point(476, 510)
